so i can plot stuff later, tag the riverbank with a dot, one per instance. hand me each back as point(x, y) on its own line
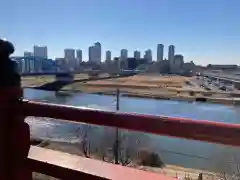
point(146, 86)
point(168, 170)
point(157, 87)
point(161, 94)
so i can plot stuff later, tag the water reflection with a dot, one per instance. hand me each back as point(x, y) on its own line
point(192, 154)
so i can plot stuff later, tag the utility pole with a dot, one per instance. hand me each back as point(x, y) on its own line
point(116, 143)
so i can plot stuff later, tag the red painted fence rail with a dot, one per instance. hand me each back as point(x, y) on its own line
point(202, 130)
point(16, 137)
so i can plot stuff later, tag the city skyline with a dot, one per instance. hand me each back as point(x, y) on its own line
point(71, 53)
point(204, 31)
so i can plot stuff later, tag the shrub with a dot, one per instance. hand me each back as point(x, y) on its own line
point(148, 158)
point(192, 93)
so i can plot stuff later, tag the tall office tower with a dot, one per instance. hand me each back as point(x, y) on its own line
point(179, 60)
point(39, 53)
point(27, 65)
point(27, 54)
point(69, 55)
point(160, 48)
point(177, 63)
point(171, 52)
point(91, 54)
point(123, 60)
point(97, 52)
point(148, 55)
point(124, 54)
point(108, 56)
point(79, 55)
point(137, 54)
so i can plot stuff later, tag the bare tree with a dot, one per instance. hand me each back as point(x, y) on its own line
point(235, 175)
point(125, 157)
point(83, 136)
point(119, 153)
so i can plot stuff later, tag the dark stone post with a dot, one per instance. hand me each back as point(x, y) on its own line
point(14, 132)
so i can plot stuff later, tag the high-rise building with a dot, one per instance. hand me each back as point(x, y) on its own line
point(148, 55)
point(177, 63)
point(79, 55)
point(27, 54)
point(179, 59)
point(69, 54)
point(124, 54)
point(91, 54)
point(108, 56)
point(123, 59)
point(137, 54)
point(95, 53)
point(40, 52)
point(98, 52)
point(160, 48)
point(27, 65)
point(171, 52)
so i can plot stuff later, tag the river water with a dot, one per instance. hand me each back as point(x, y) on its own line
point(187, 153)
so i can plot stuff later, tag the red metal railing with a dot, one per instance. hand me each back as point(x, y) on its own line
point(21, 160)
point(202, 130)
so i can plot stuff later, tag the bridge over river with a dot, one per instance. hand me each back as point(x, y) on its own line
point(58, 84)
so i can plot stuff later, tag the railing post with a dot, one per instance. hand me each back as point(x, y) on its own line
point(14, 132)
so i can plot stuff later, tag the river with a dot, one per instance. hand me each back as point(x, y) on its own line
point(187, 153)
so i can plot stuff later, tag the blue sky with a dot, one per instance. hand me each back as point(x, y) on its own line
point(206, 31)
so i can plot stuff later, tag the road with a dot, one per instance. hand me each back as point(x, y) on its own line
point(210, 85)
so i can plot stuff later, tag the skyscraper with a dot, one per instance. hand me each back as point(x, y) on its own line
point(148, 55)
point(177, 63)
point(79, 55)
point(123, 59)
point(137, 54)
point(39, 53)
point(160, 48)
point(178, 60)
point(124, 54)
point(27, 54)
point(98, 52)
point(108, 56)
point(95, 53)
point(28, 65)
point(91, 54)
point(69, 55)
point(171, 52)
